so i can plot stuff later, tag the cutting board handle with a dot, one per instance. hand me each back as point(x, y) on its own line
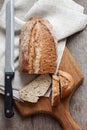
point(65, 119)
point(61, 112)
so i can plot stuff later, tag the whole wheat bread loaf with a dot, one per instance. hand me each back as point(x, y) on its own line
point(37, 49)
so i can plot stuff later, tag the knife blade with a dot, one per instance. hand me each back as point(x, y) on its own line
point(9, 59)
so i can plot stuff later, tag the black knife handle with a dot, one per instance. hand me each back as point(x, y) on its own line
point(8, 95)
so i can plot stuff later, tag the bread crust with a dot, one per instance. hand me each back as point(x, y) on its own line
point(37, 47)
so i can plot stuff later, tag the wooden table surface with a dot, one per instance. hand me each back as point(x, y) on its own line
point(77, 45)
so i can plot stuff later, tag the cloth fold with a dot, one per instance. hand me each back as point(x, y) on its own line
point(66, 16)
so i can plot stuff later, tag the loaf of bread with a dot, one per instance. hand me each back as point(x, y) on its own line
point(62, 86)
point(37, 49)
point(35, 89)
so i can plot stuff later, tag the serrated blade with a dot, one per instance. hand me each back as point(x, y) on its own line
point(9, 52)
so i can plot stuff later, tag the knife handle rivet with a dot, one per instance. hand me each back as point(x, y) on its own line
point(8, 94)
point(8, 77)
point(7, 111)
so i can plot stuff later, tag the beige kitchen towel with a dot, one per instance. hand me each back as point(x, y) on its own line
point(66, 16)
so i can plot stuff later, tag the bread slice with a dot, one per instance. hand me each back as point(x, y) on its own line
point(66, 82)
point(35, 89)
point(37, 49)
point(55, 90)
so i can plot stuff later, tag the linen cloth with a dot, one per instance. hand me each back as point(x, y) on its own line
point(66, 17)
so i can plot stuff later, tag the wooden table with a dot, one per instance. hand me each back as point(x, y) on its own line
point(77, 45)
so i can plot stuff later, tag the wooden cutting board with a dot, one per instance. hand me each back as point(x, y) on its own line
point(61, 112)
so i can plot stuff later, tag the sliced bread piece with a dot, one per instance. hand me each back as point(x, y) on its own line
point(55, 90)
point(35, 89)
point(66, 82)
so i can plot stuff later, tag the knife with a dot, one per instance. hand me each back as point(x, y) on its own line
point(9, 59)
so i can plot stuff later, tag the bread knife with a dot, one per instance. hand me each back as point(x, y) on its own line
point(9, 59)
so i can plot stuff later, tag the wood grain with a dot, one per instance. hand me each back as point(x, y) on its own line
point(61, 112)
